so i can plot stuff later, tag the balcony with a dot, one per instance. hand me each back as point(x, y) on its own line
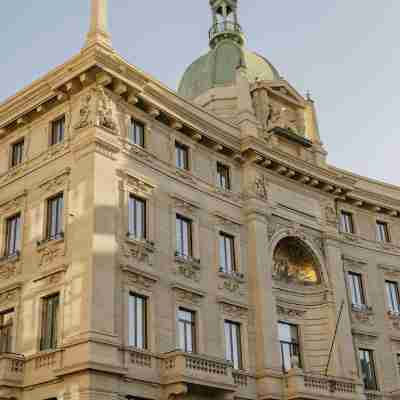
point(11, 370)
point(301, 385)
point(197, 370)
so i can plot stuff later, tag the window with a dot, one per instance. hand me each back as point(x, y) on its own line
point(187, 330)
point(367, 365)
point(13, 236)
point(182, 156)
point(48, 339)
point(382, 231)
point(136, 133)
point(137, 321)
point(223, 176)
point(55, 207)
point(398, 362)
point(290, 348)
point(57, 131)
point(346, 222)
point(6, 331)
point(227, 253)
point(392, 290)
point(17, 153)
point(183, 237)
point(137, 218)
point(233, 350)
point(356, 290)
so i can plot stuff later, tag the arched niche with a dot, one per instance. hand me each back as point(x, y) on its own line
point(294, 263)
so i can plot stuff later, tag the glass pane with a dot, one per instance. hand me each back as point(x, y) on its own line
point(228, 342)
point(222, 253)
point(132, 320)
point(181, 330)
point(179, 247)
point(140, 325)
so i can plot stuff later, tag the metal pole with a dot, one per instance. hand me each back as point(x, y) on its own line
point(334, 337)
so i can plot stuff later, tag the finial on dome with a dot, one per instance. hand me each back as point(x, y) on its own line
point(225, 22)
point(98, 32)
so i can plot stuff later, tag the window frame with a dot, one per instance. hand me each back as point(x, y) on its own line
point(133, 124)
point(221, 177)
point(145, 319)
point(10, 331)
point(20, 159)
point(60, 215)
point(228, 324)
point(375, 386)
point(132, 218)
point(55, 320)
point(393, 299)
point(347, 222)
point(293, 346)
point(16, 235)
point(223, 237)
point(179, 251)
point(185, 150)
point(359, 293)
point(192, 324)
point(57, 137)
point(383, 235)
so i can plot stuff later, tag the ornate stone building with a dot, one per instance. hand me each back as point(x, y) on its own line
point(191, 245)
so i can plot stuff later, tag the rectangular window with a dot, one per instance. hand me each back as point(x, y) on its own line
point(137, 218)
point(346, 222)
point(227, 253)
point(187, 330)
point(183, 236)
point(137, 321)
point(136, 133)
point(49, 322)
point(290, 347)
point(13, 236)
point(367, 365)
point(17, 153)
point(223, 176)
point(233, 350)
point(356, 290)
point(382, 231)
point(6, 331)
point(55, 211)
point(392, 290)
point(182, 156)
point(57, 131)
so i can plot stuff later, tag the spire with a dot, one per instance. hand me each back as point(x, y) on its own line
point(98, 32)
point(225, 22)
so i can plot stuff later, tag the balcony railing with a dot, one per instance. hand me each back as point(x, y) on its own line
point(178, 367)
point(316, 386)
point(11, 369)
point(224, 27)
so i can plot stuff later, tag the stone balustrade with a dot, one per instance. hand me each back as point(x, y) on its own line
point(11, 370)
point(301, 385)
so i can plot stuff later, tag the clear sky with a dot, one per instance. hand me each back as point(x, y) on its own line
point(346, 52)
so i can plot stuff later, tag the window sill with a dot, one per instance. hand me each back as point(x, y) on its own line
point(54, 240)
point(188, 260)
point(148, 244)
point(363, 309)
point(237, 276)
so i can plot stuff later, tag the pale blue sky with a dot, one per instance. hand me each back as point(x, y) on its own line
point(346, 52)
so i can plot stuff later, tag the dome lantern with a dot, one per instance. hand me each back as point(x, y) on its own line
point(225, 22)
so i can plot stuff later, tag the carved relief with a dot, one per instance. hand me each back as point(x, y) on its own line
point(187, 296)
point(295, 264)
point(234, 311)
point(49, 254)
point(284, 117)
point(184, 205)
point(9, 268)
point(232, 283)
point(353, 263)
point(188, 268)
point(85, 112)
point(137, 278)
point(104, 112)
point(139, 251)
point(57, 183)
point(363, 315)
point(331, 216)
point(260, 187)
point(290, 312)
point(13, 205)
point(9, 296)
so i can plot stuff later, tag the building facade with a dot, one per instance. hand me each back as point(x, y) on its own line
point(190, 245)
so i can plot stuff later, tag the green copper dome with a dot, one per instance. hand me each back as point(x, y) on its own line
point(218, 68)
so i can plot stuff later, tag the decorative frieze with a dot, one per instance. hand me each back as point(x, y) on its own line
point(362, 315)
point(232, 283)
point(13, 205)
point(352, 262)
point(56, 183)
point(234, 311)
point(188, 267)
point(187, 295)
point(139, 251)
point(183, 205)
point(138, 278)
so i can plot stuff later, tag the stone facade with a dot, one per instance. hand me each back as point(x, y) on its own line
point(281, 187)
